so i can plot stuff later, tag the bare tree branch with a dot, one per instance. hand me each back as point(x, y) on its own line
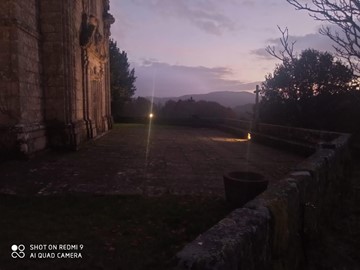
point(288, 47)
point(345, 14)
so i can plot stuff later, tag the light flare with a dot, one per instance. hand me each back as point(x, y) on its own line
point(222, 139)
point(151, 115)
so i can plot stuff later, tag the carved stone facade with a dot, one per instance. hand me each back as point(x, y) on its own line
point(54, 73)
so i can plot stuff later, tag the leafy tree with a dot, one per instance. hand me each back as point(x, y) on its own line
point(139, 107)
point(310, 74)
point(301, 89)
point(122, 79)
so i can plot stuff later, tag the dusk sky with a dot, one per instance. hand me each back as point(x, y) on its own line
point(182, 47)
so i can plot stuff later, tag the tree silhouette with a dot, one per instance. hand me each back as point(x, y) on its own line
point(301, 89)
point(122, 79)
point(310, 74)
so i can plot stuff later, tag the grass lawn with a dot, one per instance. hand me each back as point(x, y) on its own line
point(118, 232)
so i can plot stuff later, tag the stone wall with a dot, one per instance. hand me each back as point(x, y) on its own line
point(9, 105)
point(55, 88)
point(300, 140)
point(75, 79)
point(272, 231)
point(21, 112)
point(60, 48)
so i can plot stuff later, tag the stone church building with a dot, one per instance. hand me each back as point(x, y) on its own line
point(54, 73)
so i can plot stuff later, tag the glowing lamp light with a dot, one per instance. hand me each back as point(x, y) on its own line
point(249, 136)
point(151, 115)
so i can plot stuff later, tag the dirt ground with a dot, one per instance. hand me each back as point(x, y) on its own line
point(131, 159)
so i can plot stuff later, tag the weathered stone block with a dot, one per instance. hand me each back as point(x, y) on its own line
point(283, 202)
point(240, 241)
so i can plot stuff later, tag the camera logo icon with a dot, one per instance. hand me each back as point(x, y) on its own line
point(18, 251)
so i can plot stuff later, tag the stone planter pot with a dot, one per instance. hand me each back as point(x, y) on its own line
point(243, 186)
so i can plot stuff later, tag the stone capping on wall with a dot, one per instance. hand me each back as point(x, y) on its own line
point(272, 231)
point(300, 140)
point(284, 132)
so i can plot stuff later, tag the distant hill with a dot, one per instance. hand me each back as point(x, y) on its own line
point(225, 98)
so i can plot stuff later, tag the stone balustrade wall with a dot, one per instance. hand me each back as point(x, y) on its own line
point(272, 231)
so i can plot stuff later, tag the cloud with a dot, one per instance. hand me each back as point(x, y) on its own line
point(262, 53)
point(313, 41)
point(206, 15)
point(175, 80)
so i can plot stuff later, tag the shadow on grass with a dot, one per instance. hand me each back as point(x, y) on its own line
point(118, 232)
